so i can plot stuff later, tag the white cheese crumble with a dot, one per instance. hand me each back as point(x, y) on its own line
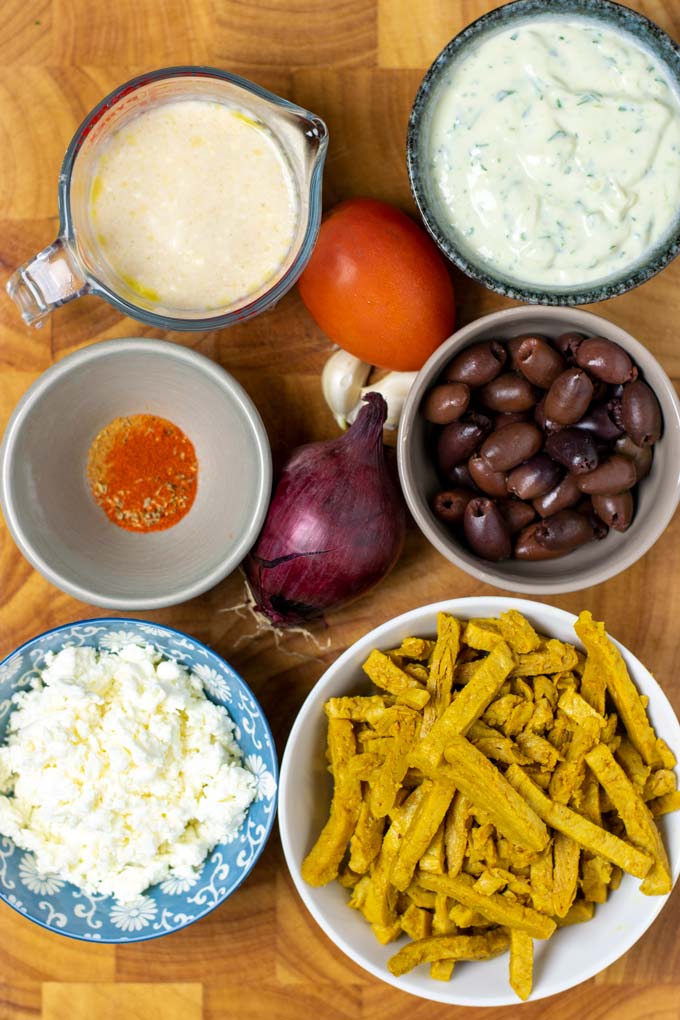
point(118, 773)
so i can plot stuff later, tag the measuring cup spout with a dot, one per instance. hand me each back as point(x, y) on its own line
point(50, 279)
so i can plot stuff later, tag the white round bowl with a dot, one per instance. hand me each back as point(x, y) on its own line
point(656, 496)
point(46, 498)
point(574, 953)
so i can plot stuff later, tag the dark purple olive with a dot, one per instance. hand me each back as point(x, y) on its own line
point(641, 413)
point(459, 440)
point(564, 495)
point(569, 397)
point(485, 478)
point(564, 531)
point(446, 403)
point(477, 364)
point(641, 456)
point(568, 344)
point(513, 345)
point(539, 362)
point(574, 449)
point(505, 448)
point(510, 417)
point(485, 530)
point(614, 475)
point(527, 548)
point(605, 360)
point(616, 511)
point(534, 477)
point(509, 392)
point(461, 477)
point(598, 421)
point(545, 424)
point(450, 506)
point(516, 514)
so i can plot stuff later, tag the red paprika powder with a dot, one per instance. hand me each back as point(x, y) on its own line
point(143, 472)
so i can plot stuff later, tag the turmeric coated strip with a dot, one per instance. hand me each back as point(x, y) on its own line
point(449, 947)
point(496, 907)
point(585, 833)
point(466, 707)
point(488, 790)
point(621, 688)
point(323, 861)
point(521, 963)
point(566, 858)
point(636, 817)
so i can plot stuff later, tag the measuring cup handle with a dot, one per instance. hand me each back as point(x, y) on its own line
point(50, 279)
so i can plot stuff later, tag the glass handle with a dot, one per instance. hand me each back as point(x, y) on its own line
point(50, 279)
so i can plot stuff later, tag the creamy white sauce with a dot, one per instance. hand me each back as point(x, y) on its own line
point(553, 152)
point(194, 205)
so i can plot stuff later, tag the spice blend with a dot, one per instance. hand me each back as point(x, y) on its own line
point(143, 472)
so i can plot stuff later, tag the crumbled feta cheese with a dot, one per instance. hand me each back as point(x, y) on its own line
point(118, 772)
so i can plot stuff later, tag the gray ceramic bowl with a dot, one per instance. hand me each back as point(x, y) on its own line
point(45, 494)
point(658, 494)
point(615, 15)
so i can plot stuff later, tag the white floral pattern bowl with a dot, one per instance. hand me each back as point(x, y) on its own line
point(174, 904)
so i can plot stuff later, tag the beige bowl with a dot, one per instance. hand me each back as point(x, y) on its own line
point(45, 494)
point(657, 496)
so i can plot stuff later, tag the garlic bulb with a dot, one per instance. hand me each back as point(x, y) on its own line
point(394, 387)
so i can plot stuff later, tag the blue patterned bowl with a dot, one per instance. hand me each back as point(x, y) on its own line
point(174, 904)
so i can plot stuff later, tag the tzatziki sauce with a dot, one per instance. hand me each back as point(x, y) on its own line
point(552, 152)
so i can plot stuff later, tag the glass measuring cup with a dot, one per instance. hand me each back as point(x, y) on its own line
point(75, 265)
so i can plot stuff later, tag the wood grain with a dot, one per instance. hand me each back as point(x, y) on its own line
point(358, 64)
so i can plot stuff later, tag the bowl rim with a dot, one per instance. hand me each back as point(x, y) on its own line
point(233, 391)
point(492, 573)
point(133, 621)
point(464, 606)
point(606, 11)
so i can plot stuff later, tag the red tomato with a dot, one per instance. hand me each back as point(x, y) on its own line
point(377, 285)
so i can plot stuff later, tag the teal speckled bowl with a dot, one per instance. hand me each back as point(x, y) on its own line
point(616, 16)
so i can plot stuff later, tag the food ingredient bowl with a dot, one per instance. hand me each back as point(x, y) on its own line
point(658, 494)
point(61, 907)
point(508, 17)
point(44, 490)
point(574, 953)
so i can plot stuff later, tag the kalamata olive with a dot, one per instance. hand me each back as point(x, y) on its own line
point(545, 424)
point(485, 478)
point(485, 530)
point(564, 495)
point(510, 417)
point(505, 448)
point(516, 514)
point(598, 422)
point(450, 505)
point(641, 456)
point(568, 344)
point(534, 477)
point(477, 364)
point(461, 477)
point(509, 392)
point(614, 475)
point(574, 449)
point(641, 413)
point(446, 403)
point(539, 362)
point(616, 511)
point(513, 345)
point(605, 360)
point(527, 548)
point(564, 531)
point(460, 439)
point(568, 398)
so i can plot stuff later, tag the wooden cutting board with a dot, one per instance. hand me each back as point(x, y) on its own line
point(357, 63)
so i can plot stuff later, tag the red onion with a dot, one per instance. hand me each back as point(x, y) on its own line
point(334, 528)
